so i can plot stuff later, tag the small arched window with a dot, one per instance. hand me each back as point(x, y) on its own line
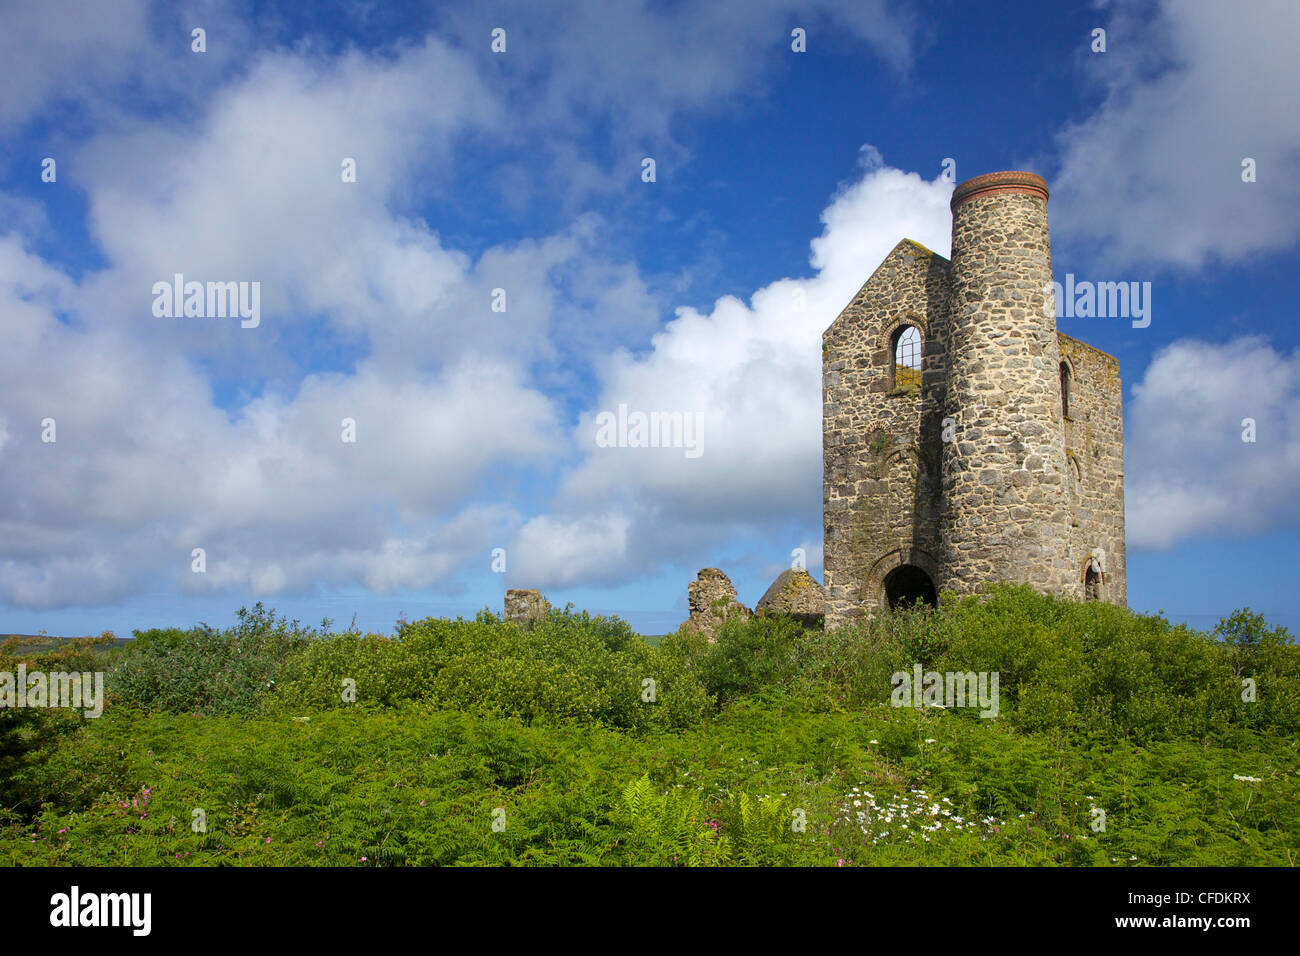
point(1065, 390)
point(1091, 584)
point(907, 357)
point(1094, 575)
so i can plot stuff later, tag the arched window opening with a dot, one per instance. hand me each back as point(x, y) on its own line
point(1092, 584)
point(1065, 390)
point(908, 585)
point(1094, 575)
point(907, 357)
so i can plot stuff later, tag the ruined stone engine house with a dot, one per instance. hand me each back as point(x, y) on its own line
point(964, 438)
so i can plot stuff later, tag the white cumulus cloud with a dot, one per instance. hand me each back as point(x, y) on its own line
point(1188, 471)
point(1154, 175)
point(752, 373)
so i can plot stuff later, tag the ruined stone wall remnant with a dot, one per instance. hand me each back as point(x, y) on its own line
point(712, 601)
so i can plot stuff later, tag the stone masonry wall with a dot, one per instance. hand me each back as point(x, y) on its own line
point(1006, 507)
point(1094, 444)
point(880, 444)
point(1024, 493)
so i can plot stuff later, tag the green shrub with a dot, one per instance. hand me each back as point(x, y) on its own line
point(566, 667)
point(750, 656)
point(458, 722)
point(416, 786)
point(158, 637)
point(29, 735)
point(204, 670)
point(1070, 667)
point(1267, 656)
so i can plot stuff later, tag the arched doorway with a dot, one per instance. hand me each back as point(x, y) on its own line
point(909, 585)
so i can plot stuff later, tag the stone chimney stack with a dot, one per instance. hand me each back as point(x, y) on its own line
point(1006, 504)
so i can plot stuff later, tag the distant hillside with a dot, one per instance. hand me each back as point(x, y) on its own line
point(40, 643)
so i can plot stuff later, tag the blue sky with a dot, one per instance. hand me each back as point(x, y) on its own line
point(776, 172)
